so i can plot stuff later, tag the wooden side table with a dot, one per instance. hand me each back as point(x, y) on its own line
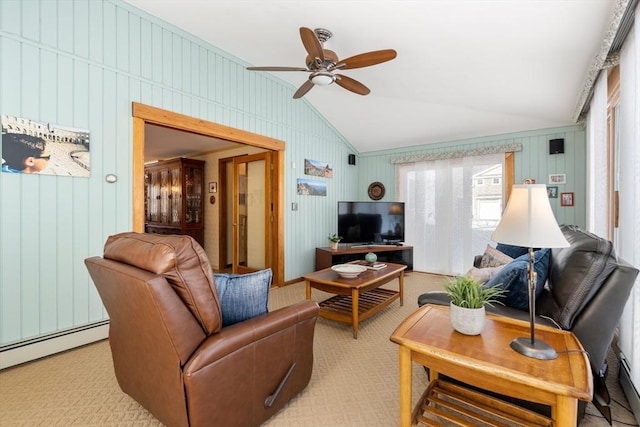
point(486, 361)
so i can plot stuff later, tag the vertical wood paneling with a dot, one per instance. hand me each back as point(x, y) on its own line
point(63, 252)
point(30, 256)
point(11, 16)
point(96, 31)
point(47, 253)
point(64, 26)
point(48, 27)
point(145, 50)
point(30, 26)
point(109, 38)
point(48, 85)
point(122, 39)
point(29, 81)
point(81, 28)
point(64, 97)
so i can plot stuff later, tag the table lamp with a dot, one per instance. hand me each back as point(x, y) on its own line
point(528, 221)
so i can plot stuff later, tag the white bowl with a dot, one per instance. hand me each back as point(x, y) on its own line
point(349, 271)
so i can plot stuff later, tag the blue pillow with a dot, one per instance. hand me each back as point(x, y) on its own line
point(513, 278)
point(243, 296)
point(512, 251)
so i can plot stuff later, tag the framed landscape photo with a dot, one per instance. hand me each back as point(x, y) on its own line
point(566, 199)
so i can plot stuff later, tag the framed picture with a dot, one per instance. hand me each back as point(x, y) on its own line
point(566, 199)
point(557, 178)
point(552, 191)
point(310, 187)
point(213, 187)
point(317, 168)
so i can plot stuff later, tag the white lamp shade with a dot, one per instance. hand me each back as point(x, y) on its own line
point(528, 220)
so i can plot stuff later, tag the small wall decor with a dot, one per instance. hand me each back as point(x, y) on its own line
point(552, 191)
point(376, 191)
point(309, 187)
point(213, 187)
point(317, 168)
point(566, 199)
point(557, 178)
point(30, 146)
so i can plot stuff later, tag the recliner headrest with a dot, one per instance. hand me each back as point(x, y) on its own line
point(181, 260)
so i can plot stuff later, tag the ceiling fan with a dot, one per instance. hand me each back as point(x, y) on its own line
point(322, 63)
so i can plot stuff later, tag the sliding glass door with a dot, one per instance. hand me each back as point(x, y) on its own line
point(452, 207)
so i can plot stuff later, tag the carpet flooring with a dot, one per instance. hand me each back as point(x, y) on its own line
point(354, 382)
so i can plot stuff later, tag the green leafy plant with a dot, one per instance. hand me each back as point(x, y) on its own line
point(468, 292)
point(335, 238)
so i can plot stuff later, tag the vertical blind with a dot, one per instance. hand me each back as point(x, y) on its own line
point(450, 221)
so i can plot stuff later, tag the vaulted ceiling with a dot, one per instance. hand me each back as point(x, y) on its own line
point(465, 68)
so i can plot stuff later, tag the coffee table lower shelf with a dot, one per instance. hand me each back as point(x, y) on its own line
point(340, 307)
point(444, 403)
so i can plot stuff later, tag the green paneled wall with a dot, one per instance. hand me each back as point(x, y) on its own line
point(82, 63)
point(534, 161)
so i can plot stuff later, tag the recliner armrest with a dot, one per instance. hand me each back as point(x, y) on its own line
point(239, 335)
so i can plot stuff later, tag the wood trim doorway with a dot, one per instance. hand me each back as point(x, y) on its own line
point(143, 114)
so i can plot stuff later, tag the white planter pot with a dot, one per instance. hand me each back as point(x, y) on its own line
point(468, 321)
point(334, 246)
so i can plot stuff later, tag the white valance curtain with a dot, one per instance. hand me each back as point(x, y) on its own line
point(457, 154)
point(439, 210)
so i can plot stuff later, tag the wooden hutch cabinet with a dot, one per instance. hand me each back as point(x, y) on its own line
point(174, 193)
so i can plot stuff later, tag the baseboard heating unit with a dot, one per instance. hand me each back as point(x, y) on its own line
point(624, 375)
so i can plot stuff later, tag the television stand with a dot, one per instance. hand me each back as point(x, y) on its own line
point(325, 257)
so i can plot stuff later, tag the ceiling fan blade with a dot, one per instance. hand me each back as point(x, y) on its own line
point(366, 59)
point(311, 43)
point(353, 85)
point(276, 69)
point(302, 90)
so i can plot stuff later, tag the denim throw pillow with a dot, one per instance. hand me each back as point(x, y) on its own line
point(513, 278)
point(513, 251)
point(243, 296)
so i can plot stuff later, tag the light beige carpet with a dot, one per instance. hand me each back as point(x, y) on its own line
point(354, 382)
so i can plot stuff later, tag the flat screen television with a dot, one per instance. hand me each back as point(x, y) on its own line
point(371, 222)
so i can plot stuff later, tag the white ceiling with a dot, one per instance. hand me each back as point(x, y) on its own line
point(465, 68)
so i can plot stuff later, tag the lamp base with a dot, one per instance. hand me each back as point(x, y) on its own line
point(536, 350)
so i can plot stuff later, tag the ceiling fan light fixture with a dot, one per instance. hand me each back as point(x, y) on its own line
point(322, 78)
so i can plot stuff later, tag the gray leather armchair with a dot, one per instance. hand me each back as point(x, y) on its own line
point(170, 351)
point(586, 291)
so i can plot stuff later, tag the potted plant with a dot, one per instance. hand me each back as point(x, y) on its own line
point(334, 239)
point(468, 298)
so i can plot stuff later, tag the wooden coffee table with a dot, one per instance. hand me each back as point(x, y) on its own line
point(356, 299)
point(486, 361)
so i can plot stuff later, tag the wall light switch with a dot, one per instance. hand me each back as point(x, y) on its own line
point(294, 206)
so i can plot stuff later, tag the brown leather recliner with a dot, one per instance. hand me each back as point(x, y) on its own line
point(170, 352)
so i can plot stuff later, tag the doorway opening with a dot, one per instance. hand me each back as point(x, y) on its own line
point(144, 114)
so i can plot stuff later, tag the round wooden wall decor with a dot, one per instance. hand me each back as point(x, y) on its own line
point(376, 191)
